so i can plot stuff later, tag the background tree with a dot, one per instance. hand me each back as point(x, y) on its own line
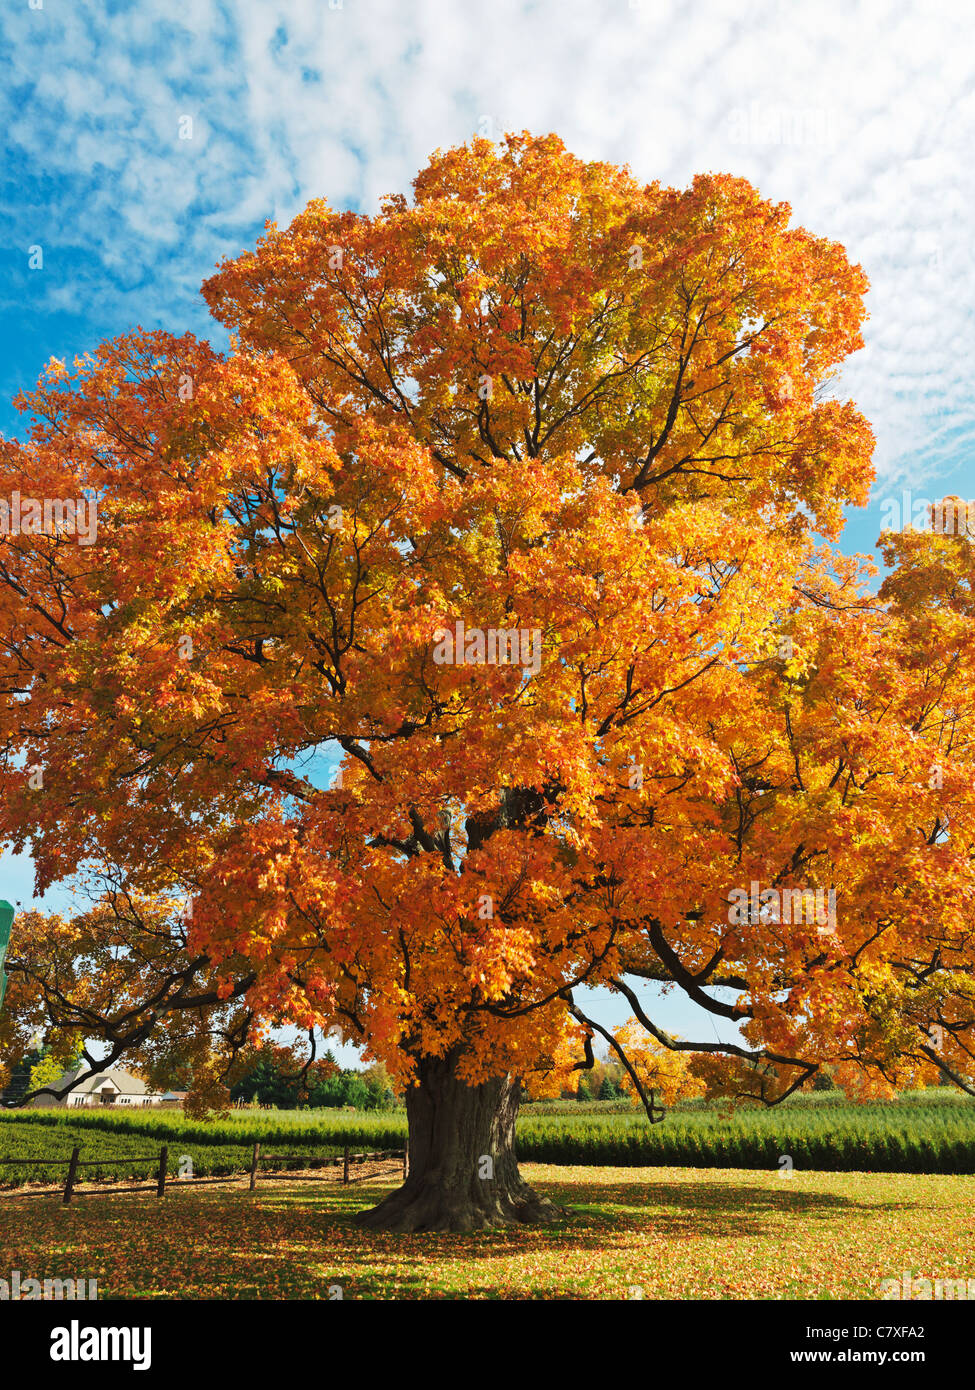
point(660, 1070)
point(19, 1074)
point(539, 398)
point(45, 1071)
point(609, 1089)
point(380, 1083)
point(50, 1067)
point(268, 1081)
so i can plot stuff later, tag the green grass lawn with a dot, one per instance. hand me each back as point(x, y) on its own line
point(672, 1232)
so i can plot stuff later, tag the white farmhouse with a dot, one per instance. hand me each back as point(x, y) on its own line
point(112, 1087)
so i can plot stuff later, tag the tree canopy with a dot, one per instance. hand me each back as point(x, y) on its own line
point(592, 422)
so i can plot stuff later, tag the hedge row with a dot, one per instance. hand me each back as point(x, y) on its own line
point(903, 1138)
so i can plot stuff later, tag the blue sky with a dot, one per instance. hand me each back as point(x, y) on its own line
point(143, 141)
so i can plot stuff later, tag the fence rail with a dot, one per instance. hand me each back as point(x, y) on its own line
point(347, 1160)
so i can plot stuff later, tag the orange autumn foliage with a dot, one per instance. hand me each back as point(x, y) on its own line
point(667, 1073)
point(538, 396)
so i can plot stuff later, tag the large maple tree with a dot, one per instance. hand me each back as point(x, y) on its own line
point(540, 399)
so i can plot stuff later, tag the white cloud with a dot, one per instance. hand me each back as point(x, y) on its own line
point(860, 116)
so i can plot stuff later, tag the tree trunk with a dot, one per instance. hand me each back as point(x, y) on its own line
point(463, 1173)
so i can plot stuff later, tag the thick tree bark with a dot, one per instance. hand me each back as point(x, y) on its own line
point(463, 1174)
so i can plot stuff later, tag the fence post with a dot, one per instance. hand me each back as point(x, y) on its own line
point(345, 1168)
point(257, 1154)
point(72, 1170)
point(163, 1164)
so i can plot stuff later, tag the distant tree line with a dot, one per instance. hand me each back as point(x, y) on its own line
point(604, 1081)
point(272, 1084)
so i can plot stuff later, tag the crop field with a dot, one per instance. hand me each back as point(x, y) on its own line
point(924, 1132)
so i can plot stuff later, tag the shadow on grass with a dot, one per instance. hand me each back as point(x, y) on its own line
point(672, 1209)
point(298, 1242)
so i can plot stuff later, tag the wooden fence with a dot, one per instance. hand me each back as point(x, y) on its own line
point(347, 1161)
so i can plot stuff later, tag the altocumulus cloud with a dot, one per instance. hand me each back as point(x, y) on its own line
point(146, 140)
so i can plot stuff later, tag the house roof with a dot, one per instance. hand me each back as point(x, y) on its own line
point(118, 1080)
